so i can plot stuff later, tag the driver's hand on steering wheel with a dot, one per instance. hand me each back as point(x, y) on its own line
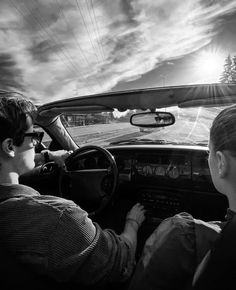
point(59, 156)
point(136, 214)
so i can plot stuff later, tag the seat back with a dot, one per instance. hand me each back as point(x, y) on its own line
point(15, 275)
point(219, 270)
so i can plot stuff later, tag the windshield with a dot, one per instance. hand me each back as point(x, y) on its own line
point(191, 127)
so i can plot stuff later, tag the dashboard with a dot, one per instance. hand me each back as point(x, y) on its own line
point(159, 163)
point(167, 179)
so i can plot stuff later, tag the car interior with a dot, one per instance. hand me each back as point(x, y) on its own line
point(130, 88)
point(106, 181)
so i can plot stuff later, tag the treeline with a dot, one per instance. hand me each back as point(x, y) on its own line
point(73, 120)
point(229, 72)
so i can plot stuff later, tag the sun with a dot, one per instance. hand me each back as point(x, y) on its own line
point(209, 66)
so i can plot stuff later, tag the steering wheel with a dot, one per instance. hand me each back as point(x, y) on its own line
point(91, 189)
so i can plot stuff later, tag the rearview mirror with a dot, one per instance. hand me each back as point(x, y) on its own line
point(152, 119)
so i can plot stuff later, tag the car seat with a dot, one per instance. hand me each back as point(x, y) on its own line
point(218, 269)
point(14, 275)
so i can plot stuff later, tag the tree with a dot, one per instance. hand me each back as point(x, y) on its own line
point(234, 69)
point(227, 73)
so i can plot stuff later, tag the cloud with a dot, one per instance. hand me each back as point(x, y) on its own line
point(61, 49)
point(10, 75)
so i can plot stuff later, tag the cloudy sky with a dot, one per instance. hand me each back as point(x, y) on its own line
point(53, 49)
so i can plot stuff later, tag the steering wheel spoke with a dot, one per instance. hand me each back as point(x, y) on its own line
point(89, 171)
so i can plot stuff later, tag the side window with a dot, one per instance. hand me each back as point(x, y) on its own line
point(46, 139)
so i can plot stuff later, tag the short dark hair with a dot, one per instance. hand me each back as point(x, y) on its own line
point(14, 110)
point(223, 130)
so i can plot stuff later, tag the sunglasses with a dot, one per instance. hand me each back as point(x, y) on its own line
point(36, 137)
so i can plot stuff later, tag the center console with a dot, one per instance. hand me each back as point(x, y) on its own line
point(159, 204)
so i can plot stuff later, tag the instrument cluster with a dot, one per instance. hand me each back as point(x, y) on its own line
point(173, 167)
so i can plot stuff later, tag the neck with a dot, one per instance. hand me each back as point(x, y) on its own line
point(9, 177)
point(232, 201)
point(230, 192)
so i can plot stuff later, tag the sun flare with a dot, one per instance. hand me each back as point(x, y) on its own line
point(209, 66)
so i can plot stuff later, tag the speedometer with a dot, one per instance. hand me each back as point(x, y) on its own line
point(147, 170)
point(174, 172)
point(160, 171)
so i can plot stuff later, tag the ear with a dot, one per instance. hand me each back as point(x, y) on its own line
point(222, 164)
point(8, 147)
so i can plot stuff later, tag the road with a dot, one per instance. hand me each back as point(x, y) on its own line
point(103, 134)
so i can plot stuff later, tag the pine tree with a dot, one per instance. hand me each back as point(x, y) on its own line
point(227, 73)
point(234, 69)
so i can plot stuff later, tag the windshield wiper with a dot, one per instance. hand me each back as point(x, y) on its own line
point(139, 141)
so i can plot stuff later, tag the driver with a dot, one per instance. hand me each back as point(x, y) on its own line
point(52, 235)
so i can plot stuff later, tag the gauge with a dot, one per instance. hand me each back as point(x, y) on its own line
point(160, 170)
point(174, 172)
point(147, 170)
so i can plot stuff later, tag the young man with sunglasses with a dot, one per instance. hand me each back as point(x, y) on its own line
point(52, 235)
point(45, 156)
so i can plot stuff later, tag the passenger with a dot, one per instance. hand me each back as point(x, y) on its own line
point(176, 251)
point(51, 234)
